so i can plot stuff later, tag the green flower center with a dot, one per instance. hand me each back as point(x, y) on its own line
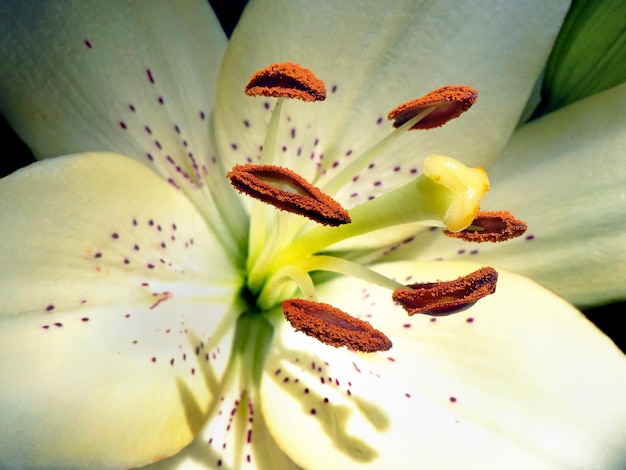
point(293, 223)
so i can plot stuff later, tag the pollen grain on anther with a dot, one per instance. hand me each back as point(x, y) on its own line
point(286, 80)
point(495, 226)
point(288, 191)
point(447, 297)
point(449, 101)
point(333, 326)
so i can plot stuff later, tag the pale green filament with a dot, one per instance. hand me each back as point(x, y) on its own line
point(273, 289)
point(344, 176)
point(348, 268)
point(258, 214)
point(273, 244)
point(298, 273)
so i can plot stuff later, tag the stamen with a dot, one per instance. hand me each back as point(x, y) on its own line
point(450, 102)
point(496, 226)
point(286, 80)
point(286, 190)
point(447, 297)
point(333, 326)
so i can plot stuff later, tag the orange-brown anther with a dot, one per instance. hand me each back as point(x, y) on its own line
point(286, 190)
point(450, 102)
point(286, 80)
point(333, 326)
point(447, 297)
point(496, 226)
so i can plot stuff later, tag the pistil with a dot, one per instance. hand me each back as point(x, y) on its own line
point(446, 192)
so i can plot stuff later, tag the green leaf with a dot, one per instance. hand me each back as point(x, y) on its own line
point(589, 55)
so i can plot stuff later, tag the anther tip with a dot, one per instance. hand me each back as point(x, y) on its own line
point(333, 326)
point(449, 101)
point(286, 80)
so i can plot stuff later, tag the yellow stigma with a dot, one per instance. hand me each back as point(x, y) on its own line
point(466, 185)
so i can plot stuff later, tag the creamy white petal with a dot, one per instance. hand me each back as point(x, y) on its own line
point(127, 77)
point(115, 302)
point(521, 380)
point(236, 434)
point(565, 175)
point(374, 56)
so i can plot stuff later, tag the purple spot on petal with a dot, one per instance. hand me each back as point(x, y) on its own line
point(530, 237)
point(88, 44)
point(150, 77)
point(49, 308)
point(123, 125)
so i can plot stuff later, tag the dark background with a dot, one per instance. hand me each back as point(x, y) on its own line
point(607, 317)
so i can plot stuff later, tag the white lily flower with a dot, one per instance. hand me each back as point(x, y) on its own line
point(140, 295)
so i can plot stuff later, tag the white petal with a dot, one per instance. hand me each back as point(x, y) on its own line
point(115, 306)
point(527, 383)
point(565, 175)
point(236, 434)
point(119, 76)
point(374, 56)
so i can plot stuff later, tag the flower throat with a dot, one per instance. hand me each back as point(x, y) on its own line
point(282, 255)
